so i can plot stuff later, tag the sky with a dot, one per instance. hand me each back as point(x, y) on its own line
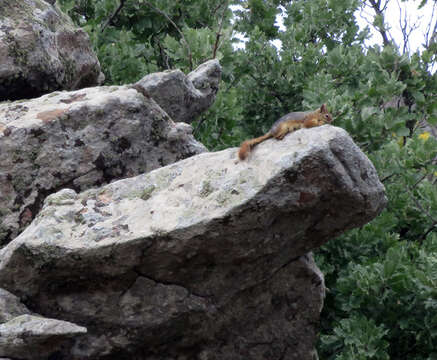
point(421, 18)
point(407, 9)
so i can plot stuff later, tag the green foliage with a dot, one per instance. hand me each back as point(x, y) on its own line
point(123, 60)
point(395, 289)
point(381, 278)
point(410, 172)
point(258, 13)
point(358, 338)
point(387, 270)
point(225, 115)
point(147, 36)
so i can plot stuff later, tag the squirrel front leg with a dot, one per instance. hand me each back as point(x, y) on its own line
point(311, 122)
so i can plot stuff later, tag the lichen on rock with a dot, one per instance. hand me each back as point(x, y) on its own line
point(42, 51)
point(207, 257)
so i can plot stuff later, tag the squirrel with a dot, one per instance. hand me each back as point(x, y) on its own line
point(288, 123)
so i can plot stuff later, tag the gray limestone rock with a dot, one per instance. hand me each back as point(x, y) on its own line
point(42, 51)
point(34, 337)
point(184, 97)
point(80, 139)
point(10, 306)
point(206, 258)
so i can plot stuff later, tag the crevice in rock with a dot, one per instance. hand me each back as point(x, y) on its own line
point(339, 155)
point(167, 283)
point(271, 275)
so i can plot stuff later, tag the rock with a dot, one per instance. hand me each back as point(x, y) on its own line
point(184, 97)
point(206, 258)
point(26, 335)
point(33, 337)
point(80, 139)
point(41, 51)
point(10, 306)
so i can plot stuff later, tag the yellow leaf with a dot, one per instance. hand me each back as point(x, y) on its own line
point(424, 136)
point(400, 141)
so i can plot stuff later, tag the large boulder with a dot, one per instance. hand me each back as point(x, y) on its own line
point(42, 51)
point(80, 139)
point(207, 258)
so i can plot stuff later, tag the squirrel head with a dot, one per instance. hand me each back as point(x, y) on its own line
point(324, 115)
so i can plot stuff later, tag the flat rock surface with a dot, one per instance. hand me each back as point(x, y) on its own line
point(80, 139)
point(205, 258)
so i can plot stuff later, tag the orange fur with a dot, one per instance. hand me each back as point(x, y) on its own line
point(286, 124)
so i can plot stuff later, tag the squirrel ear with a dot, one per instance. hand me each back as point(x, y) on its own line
point(323, 109)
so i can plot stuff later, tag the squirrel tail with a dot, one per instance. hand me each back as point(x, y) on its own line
point(247, 145)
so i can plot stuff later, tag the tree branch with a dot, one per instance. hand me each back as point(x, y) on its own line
point(218, 33)
point(406, 28)
point(432, 227)
point(376, 5)
point(433, 38)
point(190, 56)
point(113, 15)
point(388, 177)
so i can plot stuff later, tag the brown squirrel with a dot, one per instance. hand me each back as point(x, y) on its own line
point(288, 123)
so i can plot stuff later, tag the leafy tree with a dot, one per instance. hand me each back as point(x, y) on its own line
point(135, 37)
point(381, 278)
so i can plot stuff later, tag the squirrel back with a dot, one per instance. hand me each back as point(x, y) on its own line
point(288, 123)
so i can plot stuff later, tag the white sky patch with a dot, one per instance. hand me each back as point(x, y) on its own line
point(418, 21)
point(397, 11)
point(238, 35)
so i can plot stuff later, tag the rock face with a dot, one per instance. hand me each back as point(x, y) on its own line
point(42, 51)
point(206, 258)
point(87, 138)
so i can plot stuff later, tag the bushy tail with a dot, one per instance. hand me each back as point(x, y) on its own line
point(249, 144)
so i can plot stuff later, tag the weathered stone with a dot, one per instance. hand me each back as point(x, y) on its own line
point(34, 337)
point(80, 139)
point(10, 306)
point(184, 97)
point(41, 51)
point(206, 258)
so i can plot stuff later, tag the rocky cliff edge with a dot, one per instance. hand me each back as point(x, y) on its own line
point(206, 258)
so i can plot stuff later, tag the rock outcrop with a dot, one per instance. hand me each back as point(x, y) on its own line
point(42, 51)
point(200, 257)
point(206, 258)
point(184, 97)
point(87, 138)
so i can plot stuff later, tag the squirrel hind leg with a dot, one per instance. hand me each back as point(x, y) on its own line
point(280, 132)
